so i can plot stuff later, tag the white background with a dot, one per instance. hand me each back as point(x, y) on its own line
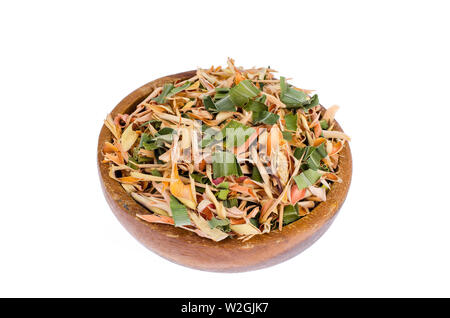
point(65, 64)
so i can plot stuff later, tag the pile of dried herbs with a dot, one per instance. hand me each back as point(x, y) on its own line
point(230, 152)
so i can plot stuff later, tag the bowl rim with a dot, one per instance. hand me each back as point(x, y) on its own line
point(229, 255)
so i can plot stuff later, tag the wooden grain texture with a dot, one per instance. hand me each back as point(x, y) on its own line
point(230, 255)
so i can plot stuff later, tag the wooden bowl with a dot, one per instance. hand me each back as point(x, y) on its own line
point(230, 255)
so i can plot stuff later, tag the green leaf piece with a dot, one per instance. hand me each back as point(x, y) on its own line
point(224, 164)
point(313, 102)
point(162, 97)
point(156, 173)
point(169, 90)
point(298, 152)
point(230, 203)
point(223, 105)
point(315, 156)
point(209, 104)
point(291, 122)
point(287, 135)
point(255, 106)
point(176, 90)
point(324, 124)
point(236, 133)
point(200, 178)
point(256, 175)
point(165, 131)
point(265, 117)
point(307, 178)
point(221, 92)
point(148, 142)
point(222, 194)
point(260, 113)
point(155, 123)
point(290, 214)
point(291, 97)
point(131, 163)
point(179, 212)
point(254, 221)
point(314, 160)
point(222, 224)
point(223, 185)
point(241, 93)
point(321, 150)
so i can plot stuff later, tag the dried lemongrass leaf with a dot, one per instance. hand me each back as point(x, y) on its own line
point(152, 205)
point(282, 168)
point(194, 86)
point(128, 187)
point(335, 134)
point(109, 123)
point(129, 180)
point(272, 99)
point(147, 153)
point(220, 209)
point(114, 157)
point(186, 137)
point(183, 192)
point(280, 217)
point(148, 177)
point(243, 190)
point(165, 156)
point(196, 157)
point(203, 205)
point(245, 229)
point(235, 212)
point(188, 106)
point(321, 193)
point(128, 138)
point(152, 218)
point(330, 113)
point(193, 191)
point(306, 204)
point(273, 206)
point(152, 95)
point(113, 169)
point(175, 119)
point(214, 234)
point(219, 118)
point(262, 172)
point(109, 147)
